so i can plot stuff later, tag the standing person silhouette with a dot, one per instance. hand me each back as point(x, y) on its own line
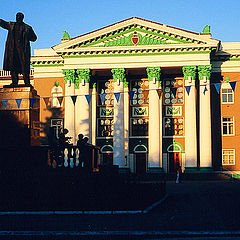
point(18, 51)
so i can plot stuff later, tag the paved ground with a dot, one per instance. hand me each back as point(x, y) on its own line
point(198, 207)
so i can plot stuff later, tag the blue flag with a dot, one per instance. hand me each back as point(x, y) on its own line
point(205, 90)
point(5, 102)
point(188, 88)
point(218, 87)
point(32, 101)
point(233, 85)
point(74, 99)
point(131, 94)
point(117, 96)
point(19, 101)
point(102, 97)
point(88, 97)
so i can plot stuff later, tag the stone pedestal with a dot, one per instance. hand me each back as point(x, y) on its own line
point(19, 116)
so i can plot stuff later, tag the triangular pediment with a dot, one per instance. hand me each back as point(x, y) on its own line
point(135, 32)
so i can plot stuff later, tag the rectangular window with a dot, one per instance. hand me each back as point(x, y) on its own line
point(228, 157)
point(227, 96)
point(227, 126)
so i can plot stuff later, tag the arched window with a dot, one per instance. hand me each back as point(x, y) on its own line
point(56, 92)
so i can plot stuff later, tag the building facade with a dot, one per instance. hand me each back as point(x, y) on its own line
point(149, 95)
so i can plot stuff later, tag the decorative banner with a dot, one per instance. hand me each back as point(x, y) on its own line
point(60, 99)
point(131, 94)
point(205, 89)
point(74, 99)
point(18, 101)
point(218, 87)
point(188, 88)
point(159, 92)
point(145, 94)
point(32, 101)
point(5, 102)
point(88, 97)
point(102, 97)
point(233, 85)
point(46, 100)
point(174, 91)
point(140, 111)
point(117, 96)
point(106, 112)
point(173, 110)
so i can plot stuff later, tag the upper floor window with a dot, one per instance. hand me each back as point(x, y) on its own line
point(228, 157)
point(227, 125)
point(227, 96)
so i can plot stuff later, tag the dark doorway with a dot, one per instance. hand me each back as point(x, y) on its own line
point(141, 163)
point(174, 161)
point(107, 159)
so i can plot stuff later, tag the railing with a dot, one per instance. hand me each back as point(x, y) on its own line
point(4, 73)
point(74, 157)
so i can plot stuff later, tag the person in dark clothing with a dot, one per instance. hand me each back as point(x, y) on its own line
point(17, 51)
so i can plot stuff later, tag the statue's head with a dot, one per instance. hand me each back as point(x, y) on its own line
point(19, 17)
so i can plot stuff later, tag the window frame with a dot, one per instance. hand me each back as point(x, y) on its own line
point(234, 156)
point(233, 124)
point(227, 94)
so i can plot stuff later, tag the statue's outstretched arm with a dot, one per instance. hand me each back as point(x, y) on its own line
point(4, 24)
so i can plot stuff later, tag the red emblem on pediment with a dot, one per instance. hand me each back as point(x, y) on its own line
point(135, 38)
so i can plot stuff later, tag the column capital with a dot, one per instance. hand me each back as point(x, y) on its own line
point(153, 72)
point(69, 75)
point(82, 74)
point(204, 71)
point(189, 71)
point(119, 73)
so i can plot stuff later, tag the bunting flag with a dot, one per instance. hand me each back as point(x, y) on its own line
point(74, 99)
point(159, 92)
point(188, 88)
point(131, 94)
point(117, 96)
point(18, 101)
point(32, 101)
point(205, 89)
point(102, 97)
point(60, 99)
point(145, 94)
point(218, 87)
point(88, 97)
point(174, 91)
point(233, 85)
point(46, 100)
point(5, 102)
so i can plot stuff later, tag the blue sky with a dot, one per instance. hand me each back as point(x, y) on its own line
point(50, 18)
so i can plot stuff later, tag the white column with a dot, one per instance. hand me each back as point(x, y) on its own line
point(190, 125)
point(126, 124)
point(94, 115)
point(205, 141)
point(154, 125)
point(154, 140)
point(118, 137)
point(69, 110)
point(82, 107)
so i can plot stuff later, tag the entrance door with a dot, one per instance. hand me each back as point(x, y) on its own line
point(174, 161)
point(141, 163)
point(107, 159)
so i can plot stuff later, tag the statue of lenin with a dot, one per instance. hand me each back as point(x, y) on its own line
point(17, 52)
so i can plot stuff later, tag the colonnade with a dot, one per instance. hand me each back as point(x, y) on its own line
point(78, 116)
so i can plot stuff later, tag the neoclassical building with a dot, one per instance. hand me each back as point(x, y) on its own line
point(146, 94)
